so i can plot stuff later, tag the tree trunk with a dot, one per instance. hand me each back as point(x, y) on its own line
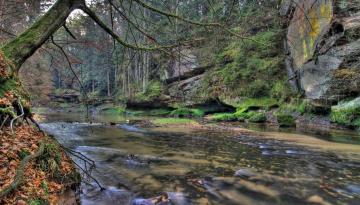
point(23, 46)
point(15, 53)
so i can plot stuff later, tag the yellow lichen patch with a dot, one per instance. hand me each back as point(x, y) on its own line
point(326, 11)
point(305, 50)
point(310, 21)
point(314, 24)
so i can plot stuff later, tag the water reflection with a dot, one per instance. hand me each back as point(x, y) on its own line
point(201, 167)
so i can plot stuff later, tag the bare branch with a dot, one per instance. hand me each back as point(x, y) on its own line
point(212, 24)
point(69, 32)
point(97, 20)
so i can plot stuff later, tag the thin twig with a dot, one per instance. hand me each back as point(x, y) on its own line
point(74, 73)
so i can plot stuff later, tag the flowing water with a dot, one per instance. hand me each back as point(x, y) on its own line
point(203, 167)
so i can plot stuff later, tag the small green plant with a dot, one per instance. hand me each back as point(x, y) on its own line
point(347, 113)
point(285, 120)
point(224, 117)
point(23, 153)
point(258, 117)
point(256, 103)
point(45, 187)
point(187, 112)
point(152, 91)
point(38, 202)
point(113, 111)
point(50, 160)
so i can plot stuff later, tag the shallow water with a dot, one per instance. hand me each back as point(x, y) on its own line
point(203, 167)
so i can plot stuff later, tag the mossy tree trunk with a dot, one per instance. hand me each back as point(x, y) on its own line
point(14, 53)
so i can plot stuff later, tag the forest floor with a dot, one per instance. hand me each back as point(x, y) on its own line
point(33, 168)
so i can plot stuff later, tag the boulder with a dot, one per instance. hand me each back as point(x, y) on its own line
point(323, 48)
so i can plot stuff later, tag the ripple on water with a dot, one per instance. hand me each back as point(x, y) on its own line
point(130, 128)
point(176, 158)
point(110, 196)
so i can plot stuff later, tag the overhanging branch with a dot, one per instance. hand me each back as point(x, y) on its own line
point(212, 24)
point(100, 23)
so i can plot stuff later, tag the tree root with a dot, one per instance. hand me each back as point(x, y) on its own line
point(17, 117)
point(19, 177)
point(89, 164)
point(3, 123)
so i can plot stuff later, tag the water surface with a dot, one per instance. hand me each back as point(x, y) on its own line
point(203, 167)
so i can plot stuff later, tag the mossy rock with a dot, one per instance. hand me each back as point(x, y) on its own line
point(286, 120)
point(347, 113)
point(38, 202)
point(173, 121)
point(256, 104)
point(227, 117)
point(259, 117)
point(187, 112)
point(113, 111)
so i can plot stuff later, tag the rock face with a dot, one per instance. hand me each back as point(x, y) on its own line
point(186, 91)
point(323, 48)
point(183, 77)
point(185, 63)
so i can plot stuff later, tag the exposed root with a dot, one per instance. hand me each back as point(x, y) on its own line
point(17, 117)
point(89, 165)
point(19, 177)
point(3, 123)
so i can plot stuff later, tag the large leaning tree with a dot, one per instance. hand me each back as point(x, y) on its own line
point(14, 101)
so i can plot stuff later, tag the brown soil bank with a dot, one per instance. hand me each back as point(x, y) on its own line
point(34, 169)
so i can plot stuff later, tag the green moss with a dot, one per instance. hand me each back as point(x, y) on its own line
point(45, 187)
point(152, 91)
point(298, 105)
point(224, 117)
point(285, 120)
point(187, 112)
point(250, 69)
point(113, 111)
point(256, 103)
point(50, 160)
point(356, 123)
point(151, 112)
point(347, 117)
point(38, 202)
point(162, 121)
point(7, 85)
point(243, 115)
point(258, 117)
point(8, 110)
point(23, 153)
point(251, 109)
point(347, 113)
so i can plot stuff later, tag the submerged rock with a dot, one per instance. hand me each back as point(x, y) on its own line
point(167, 198)
point(133, 160)
point(354, 189)
point(244, 173)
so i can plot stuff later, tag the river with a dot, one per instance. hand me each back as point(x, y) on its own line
point(202, 167)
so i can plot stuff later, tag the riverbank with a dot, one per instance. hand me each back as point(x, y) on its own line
point(307, 131)
point(35, 169)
